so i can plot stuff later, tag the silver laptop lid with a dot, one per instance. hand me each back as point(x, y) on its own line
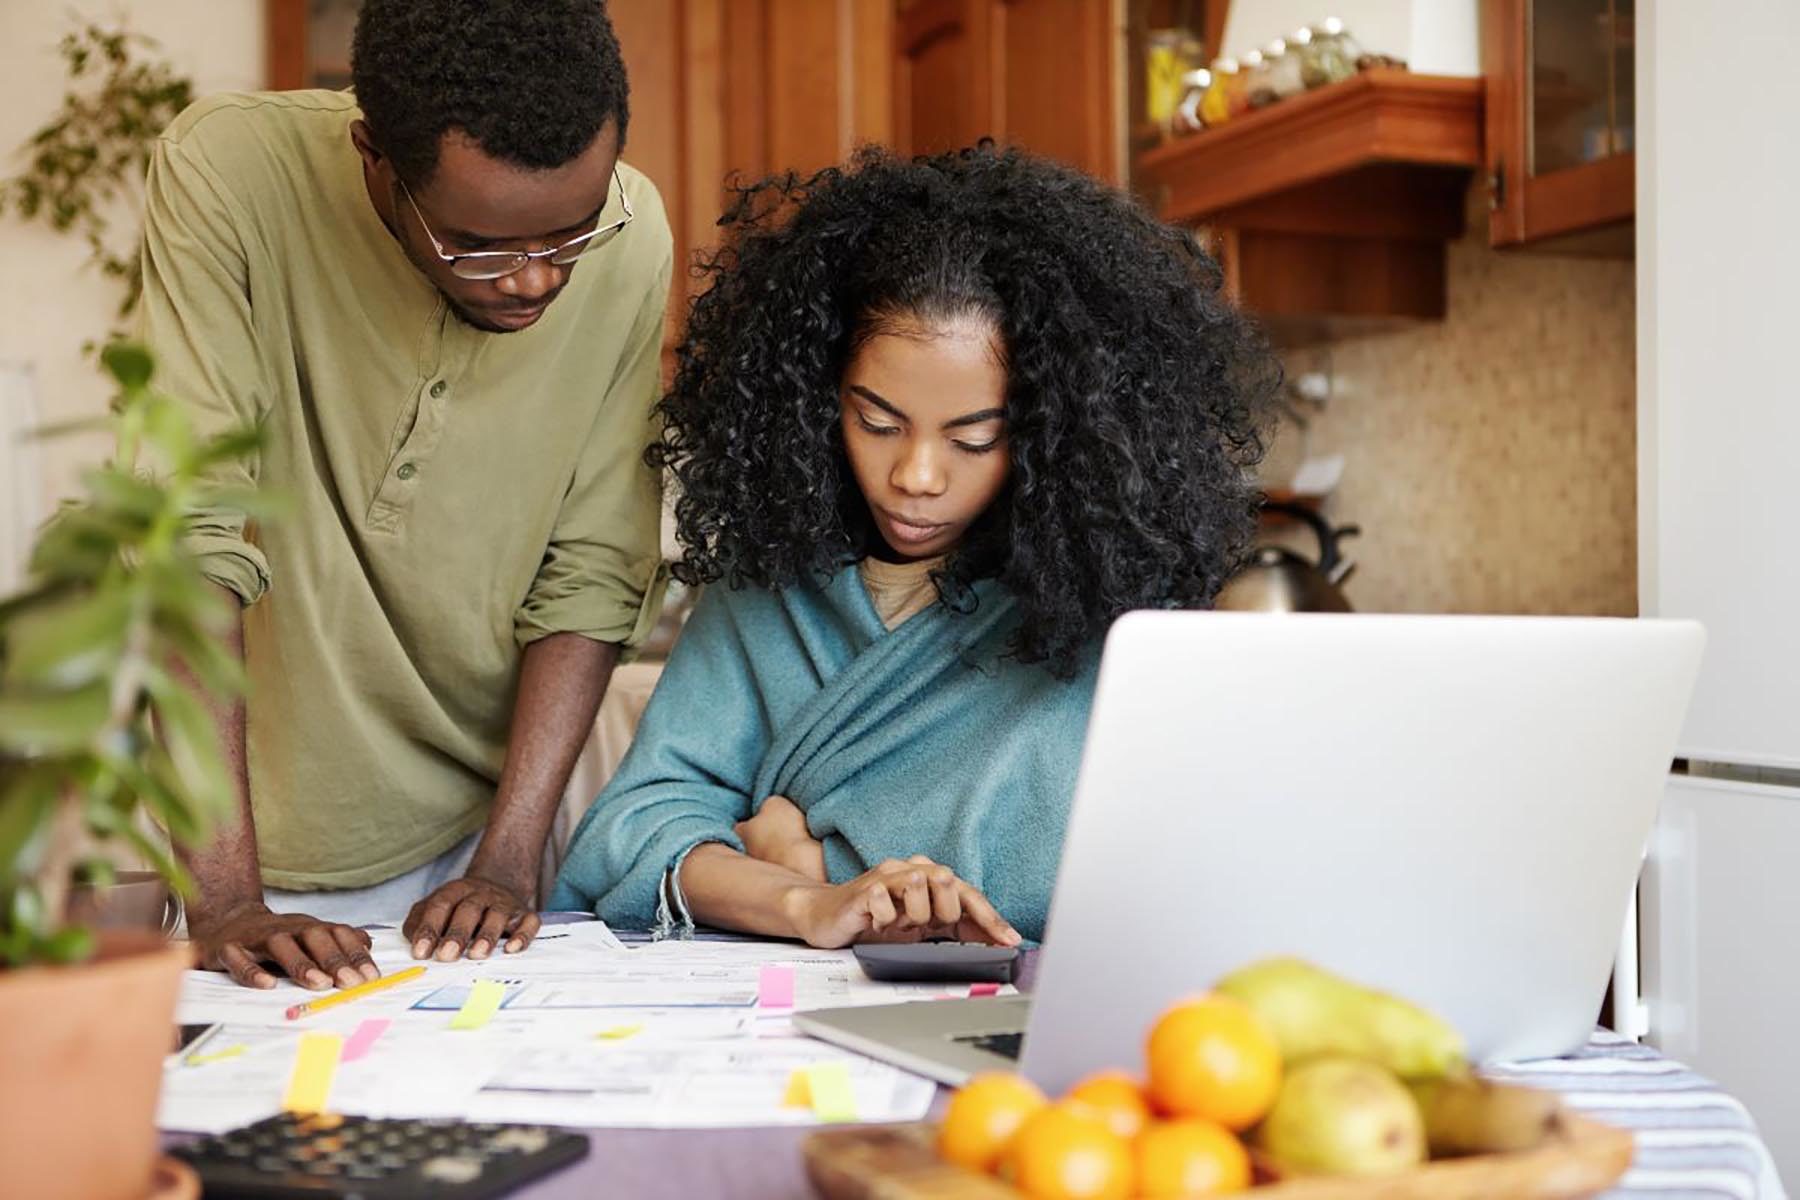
point(1452, 808)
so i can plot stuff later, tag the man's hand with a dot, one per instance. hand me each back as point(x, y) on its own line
point(897, 902)
point(778, 834)
point(470, 914)
point(313, 953)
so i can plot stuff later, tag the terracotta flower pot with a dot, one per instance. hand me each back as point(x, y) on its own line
point(82, 1049)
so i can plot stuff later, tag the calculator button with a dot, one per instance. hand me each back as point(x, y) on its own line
point(445, 1169)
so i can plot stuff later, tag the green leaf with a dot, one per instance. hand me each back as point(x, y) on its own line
point(35, 725)
point(129, 363)
point(74, 943)
point(192, 742)
point(158, 858)
point(71, 644)
point(227, 447)
point(121, 492)
point(97, 872)
point(26, 807)
point(27, 911)
point(200, 650)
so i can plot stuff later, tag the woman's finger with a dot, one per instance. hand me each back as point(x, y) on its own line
point(880, 907)
point(915, 894)
point(946, 900)
point(987, 919)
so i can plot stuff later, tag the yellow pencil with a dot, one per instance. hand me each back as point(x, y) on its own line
point(361, 989)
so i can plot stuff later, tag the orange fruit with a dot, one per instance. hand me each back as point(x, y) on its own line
point(983, 1116)
point(1117, 1097)
point(1068, 1152)
point(1190, 1157)
point(1214, 1057)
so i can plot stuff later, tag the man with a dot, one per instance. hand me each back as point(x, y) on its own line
point(442, 299)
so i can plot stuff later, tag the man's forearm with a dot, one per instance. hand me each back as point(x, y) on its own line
point(225, 870)
point(561, 682)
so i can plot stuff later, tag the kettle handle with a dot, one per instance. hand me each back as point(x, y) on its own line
point(1329, 558)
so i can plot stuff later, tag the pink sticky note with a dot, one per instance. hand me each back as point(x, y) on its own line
point(364, 1037)
point(775, 987)
point(984, 989)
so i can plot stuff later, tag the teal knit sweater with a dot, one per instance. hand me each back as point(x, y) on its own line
point(923, 740)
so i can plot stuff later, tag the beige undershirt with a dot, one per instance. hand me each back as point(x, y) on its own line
point(899, 590)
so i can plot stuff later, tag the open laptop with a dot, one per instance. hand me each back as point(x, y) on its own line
point(1450, 808)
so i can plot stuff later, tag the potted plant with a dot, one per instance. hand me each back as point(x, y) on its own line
point(99, 729)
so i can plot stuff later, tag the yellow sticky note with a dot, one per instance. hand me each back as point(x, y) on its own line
point(798, 1094)
point(200, 1060)
point(832, 1099)
point(483, 1002)
point(828, 1085)
point(309, 1087)
point(619, 1033)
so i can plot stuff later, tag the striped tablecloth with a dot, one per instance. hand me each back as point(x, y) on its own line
point(1693, 1139)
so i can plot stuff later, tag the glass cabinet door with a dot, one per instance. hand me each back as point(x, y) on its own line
point(1581, 82)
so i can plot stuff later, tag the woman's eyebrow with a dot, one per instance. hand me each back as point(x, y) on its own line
point(976, 418)
point(876, 399)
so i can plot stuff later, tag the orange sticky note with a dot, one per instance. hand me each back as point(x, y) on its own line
point(315, 1063)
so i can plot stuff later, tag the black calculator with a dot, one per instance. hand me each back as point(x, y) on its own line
point(365, 1158)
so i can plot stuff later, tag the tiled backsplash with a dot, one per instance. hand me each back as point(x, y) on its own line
point(1491, 456)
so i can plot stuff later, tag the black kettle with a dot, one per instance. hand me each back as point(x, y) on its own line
point(1278, 580)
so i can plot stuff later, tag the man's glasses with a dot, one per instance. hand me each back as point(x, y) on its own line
point(497, 264)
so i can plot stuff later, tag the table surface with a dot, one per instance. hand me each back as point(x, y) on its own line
point(1693, 1138)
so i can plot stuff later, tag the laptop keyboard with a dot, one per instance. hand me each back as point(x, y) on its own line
point(1006, 1045)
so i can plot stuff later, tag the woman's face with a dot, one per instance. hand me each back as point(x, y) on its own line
point(923, 408)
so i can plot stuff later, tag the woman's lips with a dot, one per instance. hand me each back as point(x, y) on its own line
point(907, 530)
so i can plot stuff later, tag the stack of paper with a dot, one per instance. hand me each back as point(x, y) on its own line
point(579, 1030)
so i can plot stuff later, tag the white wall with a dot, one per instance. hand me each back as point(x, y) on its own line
point(1719, 406)
point(49, 302)
point(1435, 37)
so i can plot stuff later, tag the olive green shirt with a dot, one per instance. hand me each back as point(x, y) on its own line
point(454, 494)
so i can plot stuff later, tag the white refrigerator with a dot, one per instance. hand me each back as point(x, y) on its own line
point(1718, 260)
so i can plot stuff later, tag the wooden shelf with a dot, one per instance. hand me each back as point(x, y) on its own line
point(1381, 118)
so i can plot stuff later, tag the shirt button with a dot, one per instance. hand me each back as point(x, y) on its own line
point(437, 389)
point(407, 471)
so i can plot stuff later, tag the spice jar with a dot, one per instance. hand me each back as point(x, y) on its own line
point(1254, 73)
point(1188, 115)
point(1284, 69)
point(1333, 53)
point(1215, 105)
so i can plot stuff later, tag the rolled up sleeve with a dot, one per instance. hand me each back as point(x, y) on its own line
point(603, 574)
point(197, 320)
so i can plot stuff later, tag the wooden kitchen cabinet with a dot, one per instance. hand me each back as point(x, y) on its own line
point(1035, 73)
point(1560, 118)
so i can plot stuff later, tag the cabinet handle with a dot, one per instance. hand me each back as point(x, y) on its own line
point(1496, 182)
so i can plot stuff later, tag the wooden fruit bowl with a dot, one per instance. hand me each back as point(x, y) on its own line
point(896, 1162)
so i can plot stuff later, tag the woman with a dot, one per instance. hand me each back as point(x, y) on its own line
point(935, 425)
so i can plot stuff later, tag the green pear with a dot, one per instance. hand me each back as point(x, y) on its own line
point(1343, 1116)
point(1467, 1114)
point(1314, 1013)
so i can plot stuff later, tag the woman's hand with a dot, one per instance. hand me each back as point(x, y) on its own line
point(897, 902)
point(778, 834)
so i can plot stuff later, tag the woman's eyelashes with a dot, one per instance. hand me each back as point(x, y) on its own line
point(877, 429)
point(881, 430)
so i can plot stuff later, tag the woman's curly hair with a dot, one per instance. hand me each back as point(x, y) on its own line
point(1137, 397)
